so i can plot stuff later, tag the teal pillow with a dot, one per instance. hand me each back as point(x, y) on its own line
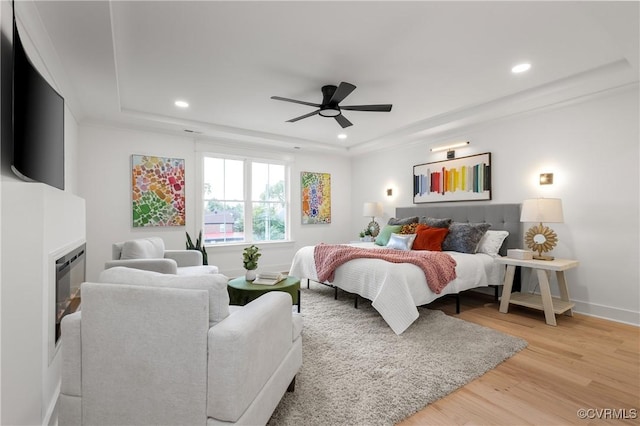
point(383, 237)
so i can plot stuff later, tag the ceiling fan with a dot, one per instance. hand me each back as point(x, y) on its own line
point(331, 98)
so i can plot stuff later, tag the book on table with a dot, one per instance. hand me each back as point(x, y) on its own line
point(269, 278)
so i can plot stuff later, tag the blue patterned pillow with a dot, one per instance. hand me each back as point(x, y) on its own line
point(464, 237)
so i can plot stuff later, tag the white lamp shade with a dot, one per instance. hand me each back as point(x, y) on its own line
point(372, 209)
point(541, 210)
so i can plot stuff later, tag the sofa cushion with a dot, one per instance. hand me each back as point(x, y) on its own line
point(143, 248)
point(215, 284)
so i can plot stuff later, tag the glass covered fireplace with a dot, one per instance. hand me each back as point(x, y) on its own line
point(70, 273)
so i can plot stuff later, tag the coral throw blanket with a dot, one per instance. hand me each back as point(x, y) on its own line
point(439, 268)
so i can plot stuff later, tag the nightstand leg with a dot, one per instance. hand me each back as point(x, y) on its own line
point(545, 292)
point(564, 290)
point(506, 290)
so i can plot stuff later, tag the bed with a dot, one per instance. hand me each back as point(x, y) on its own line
point(397, 289)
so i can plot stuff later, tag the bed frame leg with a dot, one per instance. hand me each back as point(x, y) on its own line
point(308, 281)
point(335, 293)
point(355, 303)
point(457, 303)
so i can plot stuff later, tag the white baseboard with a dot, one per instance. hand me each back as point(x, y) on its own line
point(607, 312)
point(610, 313)
point(51, 416)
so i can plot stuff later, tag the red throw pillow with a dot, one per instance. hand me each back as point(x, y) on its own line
point(428, 238)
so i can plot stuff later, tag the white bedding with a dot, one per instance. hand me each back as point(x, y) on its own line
point(396, 289)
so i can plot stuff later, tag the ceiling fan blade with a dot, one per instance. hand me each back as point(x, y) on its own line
point(278, 98)
point(343, 90)
point(341, 119)
point(293, 120)
point(381, 108)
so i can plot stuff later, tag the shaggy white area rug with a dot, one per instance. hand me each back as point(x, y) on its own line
point(357, 371)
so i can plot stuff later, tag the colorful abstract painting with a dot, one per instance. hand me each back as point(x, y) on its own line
point(460, 179)
point(157, 190)
point(316, 197)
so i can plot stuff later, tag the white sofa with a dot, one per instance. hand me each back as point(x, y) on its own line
point(149, 254)
point(149, 348)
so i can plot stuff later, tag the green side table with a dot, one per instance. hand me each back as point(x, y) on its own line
point(242, 292)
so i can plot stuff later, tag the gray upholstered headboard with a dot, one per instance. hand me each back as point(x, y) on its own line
point(500, 216)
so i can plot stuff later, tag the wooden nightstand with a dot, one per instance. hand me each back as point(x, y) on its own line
point(543, 301)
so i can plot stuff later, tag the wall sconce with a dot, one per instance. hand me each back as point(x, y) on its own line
point(389, 192)
point(450, 148)
point(546, 178)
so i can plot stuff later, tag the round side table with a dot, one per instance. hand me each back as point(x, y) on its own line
point(242, 292)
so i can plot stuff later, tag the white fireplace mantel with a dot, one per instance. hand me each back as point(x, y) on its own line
point(38, 223)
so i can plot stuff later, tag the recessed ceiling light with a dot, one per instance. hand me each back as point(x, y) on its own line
point(342, 136)
point(520, 68)
point(181, 104)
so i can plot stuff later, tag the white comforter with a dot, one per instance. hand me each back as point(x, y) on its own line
point(396, 289)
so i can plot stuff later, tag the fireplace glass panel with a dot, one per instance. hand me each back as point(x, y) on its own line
point(70, 273)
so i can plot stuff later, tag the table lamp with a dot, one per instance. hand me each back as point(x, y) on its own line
point(372, 210)
point(541, 238)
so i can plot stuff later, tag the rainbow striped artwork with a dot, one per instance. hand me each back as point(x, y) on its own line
point(459, 179)
point(157, 191)
point(316, 197)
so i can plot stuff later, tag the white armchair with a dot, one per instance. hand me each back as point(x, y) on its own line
point(163, 349)
point(149, 254)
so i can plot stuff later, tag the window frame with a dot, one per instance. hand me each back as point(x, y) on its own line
point(248, 202)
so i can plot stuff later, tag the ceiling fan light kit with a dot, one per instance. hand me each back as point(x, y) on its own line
point(331, 98)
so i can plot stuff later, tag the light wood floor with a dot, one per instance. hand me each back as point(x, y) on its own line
point(583, 363)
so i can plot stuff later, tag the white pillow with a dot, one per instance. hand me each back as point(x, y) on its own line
point(491, 242)
point(215, 284)
point(401, 241)
point(143, 248)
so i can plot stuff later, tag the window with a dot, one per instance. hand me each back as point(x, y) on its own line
point(244, 200)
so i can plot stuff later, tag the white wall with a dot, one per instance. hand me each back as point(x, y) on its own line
point(30, 380)
point(105, 164)
point(592, 149)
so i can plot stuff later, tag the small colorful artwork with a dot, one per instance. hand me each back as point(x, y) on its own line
point(316, 197)
point(157, 191)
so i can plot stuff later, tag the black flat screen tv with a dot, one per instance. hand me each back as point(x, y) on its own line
point(38, 123)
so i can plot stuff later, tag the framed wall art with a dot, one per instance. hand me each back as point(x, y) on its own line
point(459, 179)
point(157, 191)
point(316, 197)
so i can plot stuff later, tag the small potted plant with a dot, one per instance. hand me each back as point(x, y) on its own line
point(367, 235)
point(250, 257)
point(361, 235)
point(198, 246)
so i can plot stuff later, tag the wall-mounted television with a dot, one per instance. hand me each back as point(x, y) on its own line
point(38, 122)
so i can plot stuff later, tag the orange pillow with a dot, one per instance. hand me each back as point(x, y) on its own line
point(428, 238)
